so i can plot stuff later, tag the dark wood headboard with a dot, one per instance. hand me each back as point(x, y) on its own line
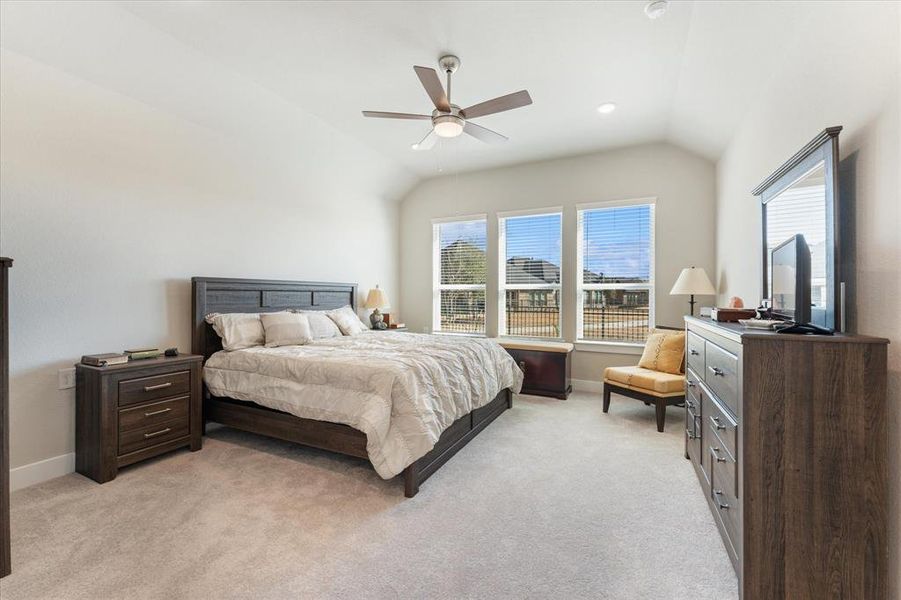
point(222, 295)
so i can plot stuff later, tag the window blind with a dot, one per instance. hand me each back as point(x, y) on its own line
point(529, 302)
point(460, 260)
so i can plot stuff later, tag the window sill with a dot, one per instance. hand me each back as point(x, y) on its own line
point(610, 347)
point(525, 338)
point(459, 334)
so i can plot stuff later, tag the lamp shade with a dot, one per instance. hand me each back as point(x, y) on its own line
point(377, 298)
point(693, 281)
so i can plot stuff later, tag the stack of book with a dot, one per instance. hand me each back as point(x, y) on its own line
point(103, 360)
point(397, 326)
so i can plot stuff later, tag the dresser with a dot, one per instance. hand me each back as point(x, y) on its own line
point(787, 436)
point(131, 412)
point(5, 562)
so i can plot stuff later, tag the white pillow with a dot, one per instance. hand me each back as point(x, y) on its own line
point(237, 330)
point(348, 321)
point(286, 329)
point(320, 325)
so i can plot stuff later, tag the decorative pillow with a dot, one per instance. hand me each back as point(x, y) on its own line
point(348, 321)
point(664, 352)
point(320, 325)
point(286, 329)
point(237, 330)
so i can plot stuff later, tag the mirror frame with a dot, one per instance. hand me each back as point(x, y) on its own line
point(823, 148)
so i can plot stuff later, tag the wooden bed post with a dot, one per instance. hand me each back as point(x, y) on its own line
point(411, 483)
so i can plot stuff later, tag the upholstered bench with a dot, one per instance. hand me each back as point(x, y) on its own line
point(546, 366)
point(658, 379)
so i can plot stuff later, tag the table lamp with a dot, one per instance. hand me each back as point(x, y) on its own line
point(693, 280)
point(377, 299)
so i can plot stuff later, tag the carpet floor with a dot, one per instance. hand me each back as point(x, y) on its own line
point(553, 500)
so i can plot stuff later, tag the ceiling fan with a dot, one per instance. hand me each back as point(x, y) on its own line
point(449, 120)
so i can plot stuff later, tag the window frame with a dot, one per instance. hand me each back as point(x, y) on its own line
point(502, 285)
point(437, 286)
point(582, 287)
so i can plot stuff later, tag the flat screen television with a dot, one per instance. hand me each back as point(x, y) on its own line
point(790, 280)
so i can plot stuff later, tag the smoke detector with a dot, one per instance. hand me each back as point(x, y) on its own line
point(655, 9)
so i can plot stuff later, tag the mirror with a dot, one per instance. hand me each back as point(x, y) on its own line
point(801, 197)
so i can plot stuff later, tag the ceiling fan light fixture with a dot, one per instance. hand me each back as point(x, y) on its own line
point(606, 108)
point(655, 9)
point(448, 126)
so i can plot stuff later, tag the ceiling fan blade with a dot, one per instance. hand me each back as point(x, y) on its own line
point(427, 142)
point(393, 115)
point(489, 107)
point(433, 87)
point(484, 134)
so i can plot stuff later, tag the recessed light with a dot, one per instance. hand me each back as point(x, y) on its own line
point(655, 9)
point(606, 108)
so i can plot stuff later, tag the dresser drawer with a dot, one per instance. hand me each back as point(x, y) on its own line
point(693, 429)
point(725, 500)
point(144, 437)
point(132, 391)
point(721, 375)
point(723, 468)
point(154, 413)
point(694, 352)
point(721, 424)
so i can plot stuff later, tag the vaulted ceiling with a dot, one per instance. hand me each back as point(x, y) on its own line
point(687, 77)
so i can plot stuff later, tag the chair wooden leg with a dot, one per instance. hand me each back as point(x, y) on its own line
point(661, 413)
point(606, 397)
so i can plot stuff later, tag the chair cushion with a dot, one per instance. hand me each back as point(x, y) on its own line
point(664, 352)
point(641, 379)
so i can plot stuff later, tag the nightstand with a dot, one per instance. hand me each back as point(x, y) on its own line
point(131, 412)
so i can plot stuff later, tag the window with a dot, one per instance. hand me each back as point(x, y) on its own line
point(616, 272)
point(529, 290)
point(459, 265)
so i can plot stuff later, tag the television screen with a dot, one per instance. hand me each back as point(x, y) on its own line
point(790, 282)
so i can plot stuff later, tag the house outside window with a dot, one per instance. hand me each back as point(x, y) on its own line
point(529, 276)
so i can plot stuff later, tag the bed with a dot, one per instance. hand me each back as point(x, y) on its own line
point(302, 394)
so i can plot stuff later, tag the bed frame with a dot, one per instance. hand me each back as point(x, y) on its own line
point(211, 294)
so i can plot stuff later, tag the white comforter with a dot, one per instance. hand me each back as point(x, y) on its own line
point(400, 389)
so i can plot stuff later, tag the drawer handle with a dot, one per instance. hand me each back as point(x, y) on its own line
point(717, 371)
point(717, 424)
point(156, 433)
point(157, 412)
point(716, 454)
point(690, 404)
point(693, 352)
point(722, 505)
point(691, 434)
point(150, 388)
point(691, 383)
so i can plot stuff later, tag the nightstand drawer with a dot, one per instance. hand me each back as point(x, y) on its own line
point(151, 388)
point(144, 437)
point(154, 413)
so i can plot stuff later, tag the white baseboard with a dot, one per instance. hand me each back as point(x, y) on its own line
point(43, 470)
point(586, 385)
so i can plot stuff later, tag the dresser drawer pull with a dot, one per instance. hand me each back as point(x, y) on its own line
point(690, 404)
point(717, 371)
point(717, 424)
point(150, 388)
point(693, 352)
point(157, 412)
point(156, 433)
point(716, 454)
point(722, 505)
point(691, 434)
point(691, 383)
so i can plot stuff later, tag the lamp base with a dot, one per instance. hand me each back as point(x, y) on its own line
point(377, 320)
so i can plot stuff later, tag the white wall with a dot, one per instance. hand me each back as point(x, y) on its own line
point(111, 198)
point(853, 82)
point(683, 184)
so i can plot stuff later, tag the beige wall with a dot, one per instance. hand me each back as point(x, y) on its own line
point(109, 205)
point(683, 184)
point(853, 83)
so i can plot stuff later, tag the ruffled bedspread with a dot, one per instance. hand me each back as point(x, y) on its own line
point(401, 389)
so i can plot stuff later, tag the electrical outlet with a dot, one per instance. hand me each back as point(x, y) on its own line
point(66, 378)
